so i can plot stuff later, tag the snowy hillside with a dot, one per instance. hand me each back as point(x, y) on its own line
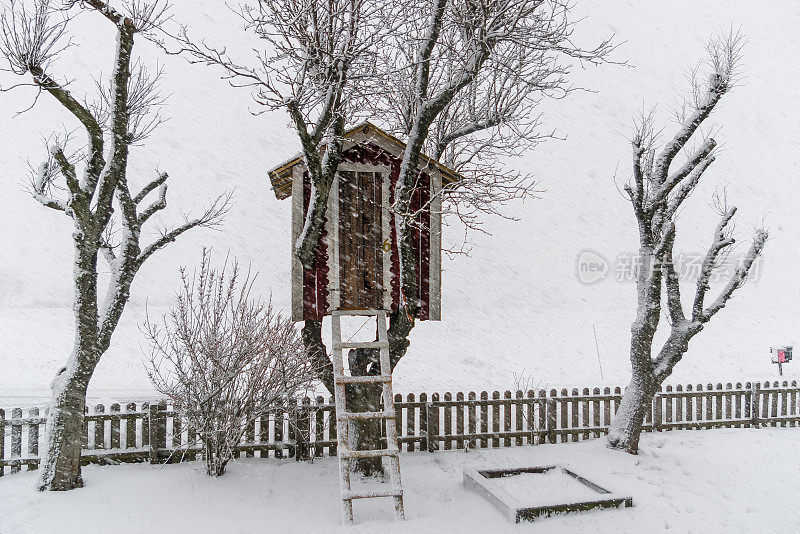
point(515, 304)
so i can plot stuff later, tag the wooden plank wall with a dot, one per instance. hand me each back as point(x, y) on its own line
point(154, 433)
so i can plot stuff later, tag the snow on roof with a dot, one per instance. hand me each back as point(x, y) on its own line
point(281, 176)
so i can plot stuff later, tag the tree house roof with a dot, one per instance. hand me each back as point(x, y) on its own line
point(281, 176)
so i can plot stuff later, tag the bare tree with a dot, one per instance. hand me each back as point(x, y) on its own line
point(224, 358)
point(473, 72)
point(31, 39)
point(657, 192)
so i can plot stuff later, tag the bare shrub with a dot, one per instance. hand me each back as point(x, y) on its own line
point(223, 357)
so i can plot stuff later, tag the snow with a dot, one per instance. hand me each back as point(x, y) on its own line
point(553, 486)
point(680, 483)
point(516, 302)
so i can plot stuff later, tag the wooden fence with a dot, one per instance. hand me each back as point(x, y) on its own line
point(154, 432)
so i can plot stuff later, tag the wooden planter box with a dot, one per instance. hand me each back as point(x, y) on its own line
point(518, 508)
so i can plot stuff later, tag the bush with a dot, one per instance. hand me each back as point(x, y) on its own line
point(223, 358)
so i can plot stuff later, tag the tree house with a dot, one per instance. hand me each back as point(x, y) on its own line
point(357, 259)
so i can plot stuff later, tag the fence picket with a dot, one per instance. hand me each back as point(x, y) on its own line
point(460, 420)
point(552, 417)
point(115, 426)
point(737, 404)
point(728, 401)
point(319, 427)
point(423, 421)
point(448, 421)
point(411, 421)
point(2, 438)
point(33, 437)
point(699, 405)
point(530, 422)
point(472, 419)
point(507, 418)
point(596, 422)
point(495, 419)
point(766, 404)
point(332, 427)
point(564, 415)
point(519, 412)
point(542, 416)
point(98, 441)
point(433, 423)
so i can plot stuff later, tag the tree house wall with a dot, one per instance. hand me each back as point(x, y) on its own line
point(357, 260)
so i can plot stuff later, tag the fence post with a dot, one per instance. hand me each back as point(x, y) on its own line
point(99, 428)
point(551, 420)
point(754, 401)
point(2, 438)
point(432, 425)
point(157, 429)
point(16, 438)
point(33, 438)
point(302, 424)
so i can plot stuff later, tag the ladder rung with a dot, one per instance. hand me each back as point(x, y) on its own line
point(362, 379)
point(392, 492)
point(372, 453)
point(365, 415)
point(361, 345)
point(357, 312)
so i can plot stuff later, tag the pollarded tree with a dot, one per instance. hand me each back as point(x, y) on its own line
point(31, 39)
point(657, 191)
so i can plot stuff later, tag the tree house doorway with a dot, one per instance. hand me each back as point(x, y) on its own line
point(360, 240)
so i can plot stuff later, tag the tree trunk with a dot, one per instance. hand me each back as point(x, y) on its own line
point(627, 425)
point(366, 434)
point(61, 458)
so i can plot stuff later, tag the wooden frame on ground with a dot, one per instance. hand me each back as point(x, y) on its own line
point(517, 509)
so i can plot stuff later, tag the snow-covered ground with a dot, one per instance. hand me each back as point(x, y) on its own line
point(681, 482)
point(515, 304)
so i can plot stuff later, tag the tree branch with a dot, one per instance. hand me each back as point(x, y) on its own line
point(162, 177)
point(702, 157)
point(721, 241)
point(89, 121)
point(465, 130)
point(211, 218)
point(156, 206)
point(717, 87)
point(739, 278)
point(671, 280)
point(687, 187)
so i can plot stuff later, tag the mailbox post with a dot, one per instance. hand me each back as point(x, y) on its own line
point(781, 355)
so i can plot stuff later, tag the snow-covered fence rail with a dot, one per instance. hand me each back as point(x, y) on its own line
point(154, 433)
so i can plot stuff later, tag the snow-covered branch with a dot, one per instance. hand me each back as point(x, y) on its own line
point(739, 278)
point(211, 218)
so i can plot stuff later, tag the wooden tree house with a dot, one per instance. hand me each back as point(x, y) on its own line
point(357, 259)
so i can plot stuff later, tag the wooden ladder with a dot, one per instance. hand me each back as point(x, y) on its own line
point(343, 417)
